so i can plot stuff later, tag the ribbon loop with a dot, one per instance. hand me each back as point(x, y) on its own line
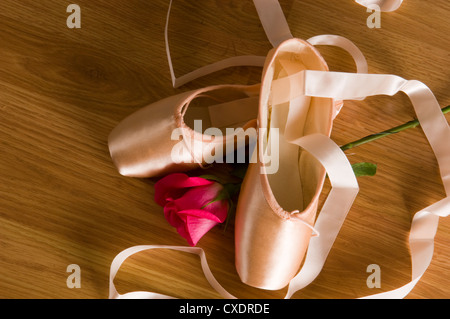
point(121, 257)
point(334, 211)
point(277, 30)
point(436, 129)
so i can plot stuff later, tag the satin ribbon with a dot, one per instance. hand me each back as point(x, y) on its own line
point(249, 60)
point(384, 5)
point(276, 29)
point(120, 258)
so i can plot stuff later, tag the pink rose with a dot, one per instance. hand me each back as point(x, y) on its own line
point(191, 204)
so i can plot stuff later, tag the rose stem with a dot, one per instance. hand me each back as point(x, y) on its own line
point(373, 137)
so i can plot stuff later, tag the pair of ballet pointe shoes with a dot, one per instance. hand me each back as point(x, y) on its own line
point(279, 196)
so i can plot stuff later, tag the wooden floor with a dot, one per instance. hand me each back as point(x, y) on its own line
point(63, 90)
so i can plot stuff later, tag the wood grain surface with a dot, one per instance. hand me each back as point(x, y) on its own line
point(63, 90)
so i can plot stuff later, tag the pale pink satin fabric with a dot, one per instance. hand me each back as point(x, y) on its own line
point(120, 258)
point(338, 86)
point(384, 5)
point(159, 139)
point(277, 30)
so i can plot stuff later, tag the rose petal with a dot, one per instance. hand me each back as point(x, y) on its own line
point(199, 214)
point(190, 206)
point(220, 209)
point(198, 197)
point(174, 186)
point(196, 223)
point(171, 214)
point(197, 228)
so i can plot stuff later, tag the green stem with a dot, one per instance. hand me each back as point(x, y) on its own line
point(373, 137)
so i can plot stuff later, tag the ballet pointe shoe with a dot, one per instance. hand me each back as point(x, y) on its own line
point(279, 196)
point(168, 136)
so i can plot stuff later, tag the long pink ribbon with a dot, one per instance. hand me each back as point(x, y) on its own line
point(120, 258)
point(277, 30)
